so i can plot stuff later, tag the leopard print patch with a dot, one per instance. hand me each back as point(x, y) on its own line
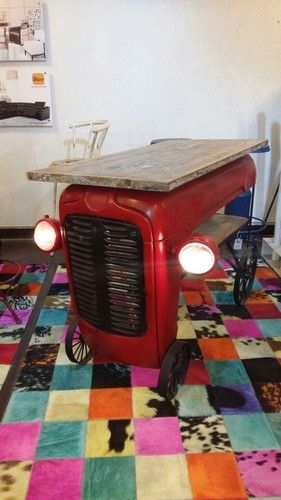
point(269, 395)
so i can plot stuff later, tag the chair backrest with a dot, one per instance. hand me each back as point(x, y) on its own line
point(89, 146)
point(79, 148)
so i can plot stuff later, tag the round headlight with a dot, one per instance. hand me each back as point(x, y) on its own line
point(197, 256)
point(47, 234)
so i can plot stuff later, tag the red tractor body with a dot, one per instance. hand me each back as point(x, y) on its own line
point(121, 255)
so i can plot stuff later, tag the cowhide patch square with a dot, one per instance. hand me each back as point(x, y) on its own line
point(204, 434)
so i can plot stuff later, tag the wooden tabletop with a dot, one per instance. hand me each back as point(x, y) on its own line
point(160, 167)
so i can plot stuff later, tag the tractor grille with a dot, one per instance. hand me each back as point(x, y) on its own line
point(106, 266)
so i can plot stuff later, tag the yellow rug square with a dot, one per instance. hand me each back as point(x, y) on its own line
point(3, 373)
point(147, 403)
point(110, 438)
point(62, 358)
point(68, 405)
point(185, 330)
point(168, 472)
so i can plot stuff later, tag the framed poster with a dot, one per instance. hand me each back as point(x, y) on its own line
point(22, 32)
point(25, 99)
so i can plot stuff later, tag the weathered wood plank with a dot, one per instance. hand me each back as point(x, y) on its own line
point(220, 226)
point(160, 167)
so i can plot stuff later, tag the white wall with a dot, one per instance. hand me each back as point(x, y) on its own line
point(154, 68)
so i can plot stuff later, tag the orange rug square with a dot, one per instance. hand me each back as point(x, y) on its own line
point(197, 298)
point(215, 475)
point(28, 289)
point(218, 349)
point(111, 404)
point(265, 272)
point(193, 285)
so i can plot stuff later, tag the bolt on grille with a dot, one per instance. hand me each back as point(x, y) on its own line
point(106, 267)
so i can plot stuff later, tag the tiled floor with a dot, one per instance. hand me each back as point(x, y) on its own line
point(103, 431)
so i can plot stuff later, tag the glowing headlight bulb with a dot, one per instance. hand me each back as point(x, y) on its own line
point(47, 235)
point(197, 258)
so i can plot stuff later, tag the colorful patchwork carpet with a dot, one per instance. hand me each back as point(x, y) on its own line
point(23, 296)
point(103, 431)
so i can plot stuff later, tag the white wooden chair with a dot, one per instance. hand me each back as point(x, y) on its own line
point(91, 146)
point(80, 148)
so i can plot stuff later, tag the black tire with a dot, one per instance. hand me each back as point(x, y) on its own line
point(76, 348)
point(245, 275)
point(173, 368)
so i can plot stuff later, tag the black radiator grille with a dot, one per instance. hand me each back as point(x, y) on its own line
point(106, 266)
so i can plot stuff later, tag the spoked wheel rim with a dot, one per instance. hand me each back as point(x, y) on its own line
point(245, 275)
point(76, 348)
point(173, 368)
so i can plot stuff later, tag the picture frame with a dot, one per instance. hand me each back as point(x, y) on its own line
point(22, 31)
point(25, 97)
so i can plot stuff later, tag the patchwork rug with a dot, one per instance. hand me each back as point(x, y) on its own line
point(23, 298)
point(103, 432)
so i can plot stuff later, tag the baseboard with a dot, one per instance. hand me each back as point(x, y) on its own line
point(21, 233)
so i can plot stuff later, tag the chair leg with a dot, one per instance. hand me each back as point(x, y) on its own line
point(10, 282)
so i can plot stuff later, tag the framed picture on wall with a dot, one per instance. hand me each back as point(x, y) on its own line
point(25, 98)
point(22, 31)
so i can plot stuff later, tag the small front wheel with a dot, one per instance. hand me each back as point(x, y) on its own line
point(76, 348)
point(173, 368)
